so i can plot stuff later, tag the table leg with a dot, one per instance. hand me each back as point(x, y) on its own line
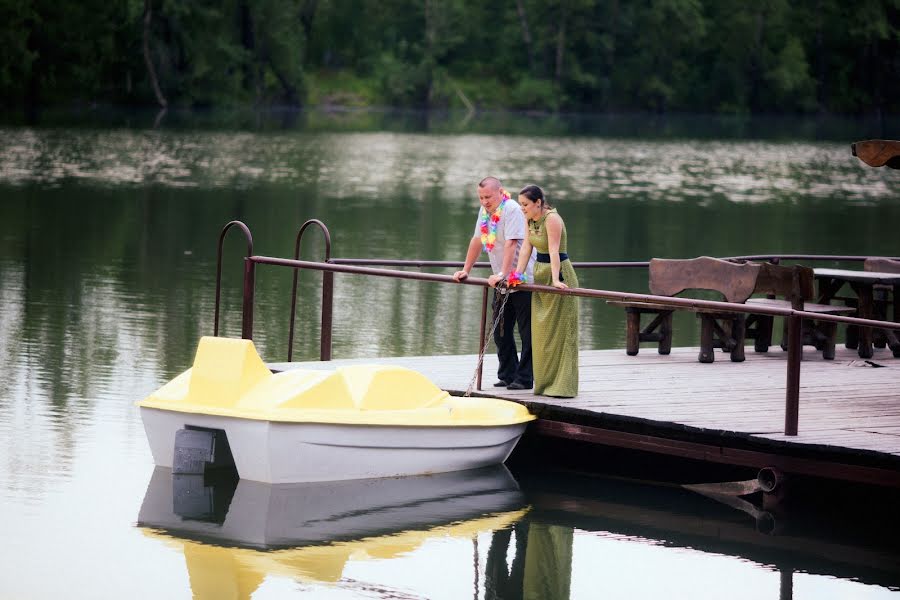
point(866, 310)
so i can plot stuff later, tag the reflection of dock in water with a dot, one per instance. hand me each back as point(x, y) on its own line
point(842, 537)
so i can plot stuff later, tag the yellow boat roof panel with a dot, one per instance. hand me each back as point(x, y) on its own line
point(228, 378)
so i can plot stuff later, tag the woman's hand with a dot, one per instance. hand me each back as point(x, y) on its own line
point(560, 285)
point(493, 280)
point(460, 275)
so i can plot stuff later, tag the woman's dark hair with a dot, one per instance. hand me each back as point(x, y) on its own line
point(534, 193)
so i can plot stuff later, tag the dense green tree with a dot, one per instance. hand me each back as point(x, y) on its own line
point(729, 56)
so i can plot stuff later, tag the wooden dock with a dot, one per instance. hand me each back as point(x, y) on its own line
point(724, 412)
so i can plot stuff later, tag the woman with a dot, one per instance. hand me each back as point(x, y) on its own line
point(554, 317)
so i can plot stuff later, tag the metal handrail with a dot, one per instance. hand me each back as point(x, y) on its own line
point(673, 301)
point(389, 262)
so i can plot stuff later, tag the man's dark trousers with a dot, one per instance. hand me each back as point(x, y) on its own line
point(513, 368)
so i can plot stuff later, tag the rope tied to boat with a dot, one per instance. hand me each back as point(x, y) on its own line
point(498, 306)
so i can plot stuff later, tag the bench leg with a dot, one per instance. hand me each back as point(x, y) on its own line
point(665, 333)
point(852, 340)
point(707, 325)
point(632, 332)
point(829, 329)
point(738, 330)
point(764, 325)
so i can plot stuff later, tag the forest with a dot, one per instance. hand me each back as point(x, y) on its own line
point(596, 56)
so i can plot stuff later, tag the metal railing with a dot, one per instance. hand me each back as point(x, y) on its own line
point(367, 267)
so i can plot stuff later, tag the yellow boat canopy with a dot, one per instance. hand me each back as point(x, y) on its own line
point(229, 379)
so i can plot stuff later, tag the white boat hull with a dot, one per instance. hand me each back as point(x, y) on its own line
point(284, 452)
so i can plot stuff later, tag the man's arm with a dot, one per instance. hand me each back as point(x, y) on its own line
point(471, 256)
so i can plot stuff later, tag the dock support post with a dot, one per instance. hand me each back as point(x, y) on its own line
point(792, 393)
point(327, 312)
point(481, 340)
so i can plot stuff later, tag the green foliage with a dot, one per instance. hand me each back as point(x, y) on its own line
point(728, 56)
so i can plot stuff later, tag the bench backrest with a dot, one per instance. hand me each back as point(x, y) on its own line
point(795, 283)
point(882, 265)
point(736, 282)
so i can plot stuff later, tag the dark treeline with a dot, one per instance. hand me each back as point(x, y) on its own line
point(720, 56)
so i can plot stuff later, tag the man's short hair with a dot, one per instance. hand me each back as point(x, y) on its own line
point(492, 181)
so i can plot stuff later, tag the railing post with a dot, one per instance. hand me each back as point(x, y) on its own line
point(249, 238)
point(325, 333)
point(792, 389)
point(249, 291)
point(327, 315)
point(482, 341)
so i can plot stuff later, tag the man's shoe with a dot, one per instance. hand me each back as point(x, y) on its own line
point(515, 385)
point(501, 383)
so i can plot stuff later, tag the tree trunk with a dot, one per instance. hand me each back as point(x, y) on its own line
point(429, 61)
point(756, 66)
point(148, 16)
point(248, 41)
point(560, 43)
point(526, 35)
point(821, 60)
point(307, 16)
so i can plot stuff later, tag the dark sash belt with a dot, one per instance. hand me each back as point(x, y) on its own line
point(545, 258)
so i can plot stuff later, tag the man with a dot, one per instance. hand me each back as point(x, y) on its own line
point(499, 231)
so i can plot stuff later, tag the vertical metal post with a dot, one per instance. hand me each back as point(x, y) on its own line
point(792, 389)
point(327, 314)
point(481, 340)
point(249, 239)
point(786, 587)
point(325, 334)
point(249, 291)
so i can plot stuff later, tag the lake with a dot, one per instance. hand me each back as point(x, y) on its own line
point(108, 232)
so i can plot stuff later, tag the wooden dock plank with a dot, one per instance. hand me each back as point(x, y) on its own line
point(845, 403)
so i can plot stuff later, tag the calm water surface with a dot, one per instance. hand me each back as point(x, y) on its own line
point(107, 271)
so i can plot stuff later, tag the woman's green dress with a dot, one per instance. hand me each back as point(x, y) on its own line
point(554, 321)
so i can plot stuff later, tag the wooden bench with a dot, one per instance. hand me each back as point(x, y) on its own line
point(785, 287)
point(669, 277)
point(792, 287)
point(883, 297)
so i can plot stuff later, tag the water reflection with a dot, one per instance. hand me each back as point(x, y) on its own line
point(235, 533)
point(383, 165)
point(563, 535)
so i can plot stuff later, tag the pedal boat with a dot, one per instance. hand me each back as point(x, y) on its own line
point(303, 425)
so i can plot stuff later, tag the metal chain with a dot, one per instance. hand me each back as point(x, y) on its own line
point(497, 318)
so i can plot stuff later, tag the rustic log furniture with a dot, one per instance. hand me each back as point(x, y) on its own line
point(872, 288)
point(669, 277)
point(785, 287)
point(792, 287)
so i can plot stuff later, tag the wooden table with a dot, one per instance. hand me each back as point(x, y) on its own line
point(862, 283)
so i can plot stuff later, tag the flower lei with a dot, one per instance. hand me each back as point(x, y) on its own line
point(489, 223)
point(515, 278)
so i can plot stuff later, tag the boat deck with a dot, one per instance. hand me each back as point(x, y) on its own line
point(732, 413)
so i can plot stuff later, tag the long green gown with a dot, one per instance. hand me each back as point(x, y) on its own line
point(554, 321)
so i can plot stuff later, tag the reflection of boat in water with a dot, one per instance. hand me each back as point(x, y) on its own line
point(232, 542)
point(267, 516)
point(311, 425)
